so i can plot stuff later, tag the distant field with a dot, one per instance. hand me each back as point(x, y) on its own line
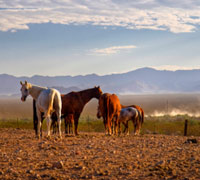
point(174, 108)
point(161, 104)
point(153, 125)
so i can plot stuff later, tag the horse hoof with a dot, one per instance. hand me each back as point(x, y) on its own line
point(48, 137)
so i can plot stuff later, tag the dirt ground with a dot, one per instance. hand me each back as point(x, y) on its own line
point(96, 156)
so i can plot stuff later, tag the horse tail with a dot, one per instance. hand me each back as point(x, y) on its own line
point(142, 116)
point(51, 99)
point(106, 108)
point(139, 116)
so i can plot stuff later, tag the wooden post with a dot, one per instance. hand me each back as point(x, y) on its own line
point(185, 127)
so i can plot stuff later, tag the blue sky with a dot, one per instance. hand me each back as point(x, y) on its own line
point(76, 37)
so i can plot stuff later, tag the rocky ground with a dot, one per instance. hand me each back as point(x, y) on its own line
point(96, 156)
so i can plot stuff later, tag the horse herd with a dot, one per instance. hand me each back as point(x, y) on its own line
point(49, 104)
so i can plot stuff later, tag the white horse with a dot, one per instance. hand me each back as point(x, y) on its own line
point(47, 101)
point(127, 114)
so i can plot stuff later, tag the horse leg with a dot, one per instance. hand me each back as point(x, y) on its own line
point(48, 118)
point(72, 126)
point(58, 114)
point(119, 126)
point(76, 117)
point(138, 126)
point(127, 131)
point(125, 127)
point(68, 125)
point(35, 121)
point(115, 124)
point(71, 121)
point(105, 125)
point(35, 118)
point(54, 123)
point(135, 126)
point(42, 119)
point(39, 117)
point(76, 126)
point(66, 130)
point(109, 124)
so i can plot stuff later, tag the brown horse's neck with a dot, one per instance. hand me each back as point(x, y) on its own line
point(87, 95)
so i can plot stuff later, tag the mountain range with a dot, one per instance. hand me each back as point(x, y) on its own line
point(140, 81)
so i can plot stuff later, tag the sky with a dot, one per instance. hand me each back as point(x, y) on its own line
point(77, 37)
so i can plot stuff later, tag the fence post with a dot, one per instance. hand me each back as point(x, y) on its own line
point(185, 127)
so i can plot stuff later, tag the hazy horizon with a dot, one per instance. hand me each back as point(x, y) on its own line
point(112, 73)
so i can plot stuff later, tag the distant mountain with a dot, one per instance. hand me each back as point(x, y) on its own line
point(144, 80)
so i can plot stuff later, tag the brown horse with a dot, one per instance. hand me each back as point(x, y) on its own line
point(109, 107)
point(73, 104)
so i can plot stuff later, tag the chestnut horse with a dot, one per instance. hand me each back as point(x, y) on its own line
point(109, 106)
point(73, 104)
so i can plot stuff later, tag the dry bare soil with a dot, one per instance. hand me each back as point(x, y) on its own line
point(96, 156)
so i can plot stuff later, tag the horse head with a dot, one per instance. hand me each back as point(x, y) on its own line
point(98, 112)
point(25, 90)
point(97, 92)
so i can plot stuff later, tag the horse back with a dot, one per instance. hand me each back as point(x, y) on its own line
point(141, 111)
point(114, 104)
point(71, 103)
point(45, 99)
point(103, 100)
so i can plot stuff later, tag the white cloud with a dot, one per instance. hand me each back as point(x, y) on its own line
point(111, 50)
point(172, 15)
point(174, 67)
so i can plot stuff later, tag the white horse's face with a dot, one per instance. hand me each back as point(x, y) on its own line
point(24, 90)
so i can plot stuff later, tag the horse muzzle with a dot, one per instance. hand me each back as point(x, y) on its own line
point(23, 98)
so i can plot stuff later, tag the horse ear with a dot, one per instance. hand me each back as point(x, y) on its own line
point(21, 82)
point(26, 83)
